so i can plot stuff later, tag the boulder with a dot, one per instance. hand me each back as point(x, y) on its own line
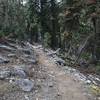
point(19, 72)
point(25, 84)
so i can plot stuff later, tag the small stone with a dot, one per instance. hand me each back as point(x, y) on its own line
point(27, 51)
point(58, 94)
point(11, 81)
point(88, 82)
point(33, 61)
point(26, 97)
point(6, 47)
point(50, 84)
point(60, 62)
point(11, 55)
point(33, 69)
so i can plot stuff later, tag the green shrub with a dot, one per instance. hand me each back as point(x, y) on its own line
point(86, 55)
point(98, 69)
point(47, 39)
point(2, 33)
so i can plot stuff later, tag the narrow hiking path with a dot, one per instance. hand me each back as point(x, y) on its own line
point(68, 88)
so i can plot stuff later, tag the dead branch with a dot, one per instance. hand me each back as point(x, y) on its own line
point(82, 47)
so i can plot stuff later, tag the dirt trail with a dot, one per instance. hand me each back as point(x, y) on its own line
point(49, 80)
point(68, 88)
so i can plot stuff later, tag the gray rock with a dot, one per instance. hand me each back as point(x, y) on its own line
point(24, 68)
point(94, 79)
point(88, 82)
point(3, 60)
point(16, 72)
point(32, 61)
point(4, 74)
point(50, 84)
point(27, 51)
point(6, 47)
point(19, 72)
point(60, 62)
point(11, 55)
point(26, 97)
point(25, 84)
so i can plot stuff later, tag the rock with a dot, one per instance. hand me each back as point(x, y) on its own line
point(50, 84)
point(19, 72)
point(4, 74)
point(83, 63)
point(33, 61)
point(11, 55)
point(80, 76)
point(60, 62)
point(25, 84)
point(27, 51)
point(95, 79)
point(88, 82)
point(26, 97)
point(11, 80)
point(58, 94)
point(23, 68)
point(6, 47)
point(16, 72)
point(3, 60)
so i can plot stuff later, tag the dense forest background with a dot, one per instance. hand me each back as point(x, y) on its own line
point(71, 25)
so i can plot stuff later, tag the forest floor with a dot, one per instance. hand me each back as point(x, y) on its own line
point(46, 79)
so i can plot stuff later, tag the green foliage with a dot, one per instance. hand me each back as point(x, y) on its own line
point(86, 56)
point(84, 28)
point(98, 69)
point(2, 34)
point(47, 39)
point(12, 17)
